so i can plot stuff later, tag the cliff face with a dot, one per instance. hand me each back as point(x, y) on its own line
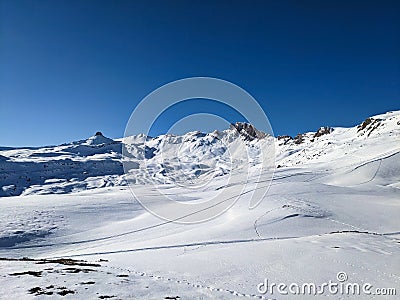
point(248, 131)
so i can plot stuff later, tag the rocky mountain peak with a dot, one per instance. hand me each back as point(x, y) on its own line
point(98, 139)
point(248, 131)
point(322, 131)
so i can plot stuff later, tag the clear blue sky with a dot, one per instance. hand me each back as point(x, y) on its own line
point(71, 68)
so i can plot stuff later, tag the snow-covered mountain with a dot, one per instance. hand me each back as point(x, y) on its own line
point(73, 229)
point(98, 162)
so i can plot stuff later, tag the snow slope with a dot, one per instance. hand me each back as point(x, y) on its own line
point(332, 206)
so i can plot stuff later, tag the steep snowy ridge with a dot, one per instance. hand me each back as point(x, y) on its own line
point(342, 145)
point(97, 161)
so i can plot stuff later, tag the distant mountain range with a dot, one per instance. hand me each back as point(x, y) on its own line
point(98, 161)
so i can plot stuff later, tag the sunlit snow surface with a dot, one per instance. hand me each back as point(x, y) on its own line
point(333, 206)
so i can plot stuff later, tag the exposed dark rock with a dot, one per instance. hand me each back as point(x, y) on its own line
point(78, 270)
point(368, 126)
point(248, 131)
point(323, 131)
point(62, 261)
point(32, 273)
point(284, 137)
point(364, 124)
point(39, 291)
point(99, 133)
point(299, 138)
point(65, 292)
point(88, 282)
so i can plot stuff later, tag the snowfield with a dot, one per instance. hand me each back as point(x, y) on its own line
point(70, 226)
